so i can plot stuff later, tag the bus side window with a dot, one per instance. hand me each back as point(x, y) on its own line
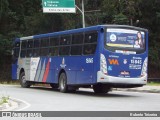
point(65, 40)
point(23, 53)
point(76, 50)
point(54, 41)
point(29, 48)
point(89, 49)
point(16, 49)
point(24, 44)
point(64, 50)
point(90, 42)
point(53, 51)
point(44, 52)
point(77, 44)
point(36, 43)
point(77, 38)
point(36, 50)
point(91, 37)
point(44, 42)
point(23, 49)
point(29, 53)
point(30, 44)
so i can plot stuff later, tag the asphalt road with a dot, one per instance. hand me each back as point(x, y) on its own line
point(46, 99)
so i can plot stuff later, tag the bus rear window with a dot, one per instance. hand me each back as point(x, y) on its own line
point(125, 39)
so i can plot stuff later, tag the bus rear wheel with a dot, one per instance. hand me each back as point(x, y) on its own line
point(100, 88)
point(63, 83)
point(23, 82)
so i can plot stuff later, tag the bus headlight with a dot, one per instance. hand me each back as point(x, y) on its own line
point(144, 67)
point(103, 64)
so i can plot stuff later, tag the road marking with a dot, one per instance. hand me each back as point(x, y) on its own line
point(27, 104)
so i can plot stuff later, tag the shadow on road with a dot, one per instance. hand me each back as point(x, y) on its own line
point(87, 92)
point(110, 94)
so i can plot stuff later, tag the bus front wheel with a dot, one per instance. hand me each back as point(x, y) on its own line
point(63, 83)
point(100, 88)
point(23, 82)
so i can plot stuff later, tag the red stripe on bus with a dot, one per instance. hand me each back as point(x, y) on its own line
point(46, 72)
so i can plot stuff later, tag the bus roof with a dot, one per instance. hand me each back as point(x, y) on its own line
point(78, 30)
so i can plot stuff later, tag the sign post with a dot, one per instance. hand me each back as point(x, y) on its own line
point(82, 12)
point(63, 6)
point(83, 18)
point(58, 6)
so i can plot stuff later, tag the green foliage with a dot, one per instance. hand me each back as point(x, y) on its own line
point(154, 83)
point(4, 100)
point(5, 45)
point(25, 17)
point(121, 19)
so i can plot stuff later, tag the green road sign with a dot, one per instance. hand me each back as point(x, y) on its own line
point(58, 6)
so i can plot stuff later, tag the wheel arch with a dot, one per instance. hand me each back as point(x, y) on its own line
point(21, 71)
point(61, 71)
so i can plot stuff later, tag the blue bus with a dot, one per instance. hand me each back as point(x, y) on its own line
point(100, 57)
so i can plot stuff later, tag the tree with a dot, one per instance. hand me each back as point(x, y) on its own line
point(25, 17)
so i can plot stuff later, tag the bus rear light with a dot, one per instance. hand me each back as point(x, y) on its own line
point(144, 67)
point(103, 64)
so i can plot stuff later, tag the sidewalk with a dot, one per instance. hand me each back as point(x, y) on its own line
point(146, 88)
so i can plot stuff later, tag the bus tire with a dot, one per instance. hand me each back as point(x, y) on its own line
point(63, 83)
point(100, 88)
point(23, 82)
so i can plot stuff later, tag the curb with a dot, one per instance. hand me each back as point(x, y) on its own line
point(14, 104)
point(11, 105)
point(138, 90)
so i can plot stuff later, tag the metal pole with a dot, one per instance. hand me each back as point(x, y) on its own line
point(83, 17)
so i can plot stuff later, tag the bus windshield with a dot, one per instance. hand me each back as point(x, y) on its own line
point(125, 39)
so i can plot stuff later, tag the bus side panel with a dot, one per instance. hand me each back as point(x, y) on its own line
point(71, 77)
point(27, 68)
point(21, 65)
point(99, 49)
point(79, 69)
point(43, 70)
point(53, 70)
point(14, 70)
point(76, 68)
point(85, 70)
point(70, 65)
point(34, 68)
point(51, 76)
